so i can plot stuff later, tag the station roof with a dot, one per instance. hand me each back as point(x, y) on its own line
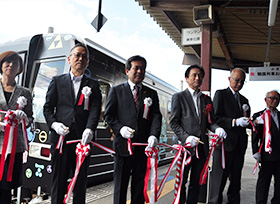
point(239, 33)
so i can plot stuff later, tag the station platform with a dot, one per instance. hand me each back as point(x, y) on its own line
point(103, 193)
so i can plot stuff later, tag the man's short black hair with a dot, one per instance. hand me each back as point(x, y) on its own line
point(135, 58)
point(80, 45)
point(195, 66)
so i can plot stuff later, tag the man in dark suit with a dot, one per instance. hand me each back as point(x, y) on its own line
point(125, 115)
point(269, 155)
point(231, 112)
point(189, 120)
point(67, 115)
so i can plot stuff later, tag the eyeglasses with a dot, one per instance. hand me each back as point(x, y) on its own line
point(273, 98)
point(78, 55)
point(238, 80)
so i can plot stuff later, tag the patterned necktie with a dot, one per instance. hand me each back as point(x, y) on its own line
point(135, 96)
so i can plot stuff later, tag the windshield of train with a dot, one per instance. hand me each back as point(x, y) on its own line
point(46, 70)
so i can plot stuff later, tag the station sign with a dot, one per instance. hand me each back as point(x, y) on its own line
point(191, 36)
point(264, 73)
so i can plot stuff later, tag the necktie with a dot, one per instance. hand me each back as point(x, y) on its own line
point(236, 98)
point(135, 95)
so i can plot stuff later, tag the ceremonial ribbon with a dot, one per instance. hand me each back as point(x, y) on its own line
point(266, 136)
point(81, 152)
point(59, 144)
point(209, 109)
point(146, 112)
point(147, 103)
point(129, 148)
point(86, 91)
point(267, 133)
point(156, 192)
point(152, 163)
point(215, 142)
point(253, 126)
point(10, 137)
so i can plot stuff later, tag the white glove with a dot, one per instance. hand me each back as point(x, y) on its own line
point(259, 120)
point(221, 133)
point(60, 128)
point(242, 122)
point(20, 114)
point(193, 140)
point(87, 136)
point(257, 156)
point(152, 141)
point(127, 132)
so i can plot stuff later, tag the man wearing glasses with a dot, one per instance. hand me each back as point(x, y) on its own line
point(232, 111)
point(70, 116)
point(266, 148)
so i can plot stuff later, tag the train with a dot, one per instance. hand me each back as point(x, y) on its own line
point(44, 56)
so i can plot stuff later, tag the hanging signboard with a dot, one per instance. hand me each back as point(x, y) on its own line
point(191, 36)
point(264, 73)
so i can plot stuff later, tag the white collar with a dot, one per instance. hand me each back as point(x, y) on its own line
point(73, 78)
point(193, 92)
point(132, 85)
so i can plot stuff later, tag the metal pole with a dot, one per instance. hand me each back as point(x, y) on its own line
point(99, 24)
point(268, 44)
point(18, 195)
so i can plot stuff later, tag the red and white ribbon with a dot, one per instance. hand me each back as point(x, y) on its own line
point(151, 172)
point(10, 137)
point(59, 144)
point(209, 109)
point(267, 133)
point(215, 142)
point(86, 91)
point(82, 152)
point(147, 103)
point(129, 146)
point(266, 136)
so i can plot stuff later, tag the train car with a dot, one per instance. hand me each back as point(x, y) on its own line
point(44, 56)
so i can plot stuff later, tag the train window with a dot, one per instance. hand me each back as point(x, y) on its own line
point(105, 88)
point(46, 70)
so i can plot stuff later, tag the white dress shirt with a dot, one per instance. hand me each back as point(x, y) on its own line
point(76, 81)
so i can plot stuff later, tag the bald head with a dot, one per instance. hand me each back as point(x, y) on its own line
point(236, 79)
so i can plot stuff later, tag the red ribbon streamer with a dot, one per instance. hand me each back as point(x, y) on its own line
point(215, 142)
point(82, 152)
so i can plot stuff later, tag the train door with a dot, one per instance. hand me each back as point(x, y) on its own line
point(37, 171)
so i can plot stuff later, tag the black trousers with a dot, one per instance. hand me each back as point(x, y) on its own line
point(195, 167)
point(234, 163)
point(267, 170)
point(135, 166)
point(63, 165)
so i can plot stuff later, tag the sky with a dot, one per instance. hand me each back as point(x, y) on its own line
point(128, 31)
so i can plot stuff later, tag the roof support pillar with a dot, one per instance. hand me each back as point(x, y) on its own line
point(206, 55)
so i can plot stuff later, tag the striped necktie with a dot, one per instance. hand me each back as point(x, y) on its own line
point(135, 95)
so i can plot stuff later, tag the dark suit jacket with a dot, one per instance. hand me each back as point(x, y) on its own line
point(121, 111)
point(61, 106)
point(226, 109)
point(184, 120)
point(257, 139)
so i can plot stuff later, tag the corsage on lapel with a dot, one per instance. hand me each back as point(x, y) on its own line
point(245, 108)
point(207, 111)
point(86, 91)
point(21, 102)
point(147, 103)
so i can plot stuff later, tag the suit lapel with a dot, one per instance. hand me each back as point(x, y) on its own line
point(128, 93)
point(2, 99)
point(69, 86)
point(235, 105)
point(189, 99)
